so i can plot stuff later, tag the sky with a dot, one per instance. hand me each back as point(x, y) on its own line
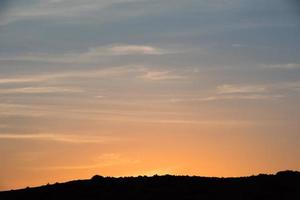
point(143, 87)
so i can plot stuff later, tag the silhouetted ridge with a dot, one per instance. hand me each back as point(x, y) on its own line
point(97, 178)
point(284, 185)
point(288, 173)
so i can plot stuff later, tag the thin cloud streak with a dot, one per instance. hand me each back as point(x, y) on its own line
point(257, 88)
point(21, 80)
point(58, 9)
point(114, 116)
point(92, 55)
point(136, 49)
point(76, 139)
point(147, 74)
point(161, 75)
point(229, 97)
point(39, 90)
point(286, 66)
point(231, 89)
point(246, 92)
point(106, 72)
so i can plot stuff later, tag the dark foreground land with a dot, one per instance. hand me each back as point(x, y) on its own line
point(284, 185)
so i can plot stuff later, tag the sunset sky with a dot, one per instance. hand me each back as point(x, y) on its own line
point(143, 87)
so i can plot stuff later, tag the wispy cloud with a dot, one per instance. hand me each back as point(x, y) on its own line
point(138, 71)
point(161, 75)
point(293, 86)
point(150, 117)
point(252, 92)
point(282, 66)
point(58, 9)
point(39, 90)
point(198, 122)
point(77, 139)
point(135, 49)
point(92, 55)
point(256, 89)
point(244, 92)
point(230, 89)
point(228, 97)
point(115, 50)
point(244, 97)
point(21, 80)
point(106, 72)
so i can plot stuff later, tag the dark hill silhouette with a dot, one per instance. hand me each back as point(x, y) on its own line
point(284, 185)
